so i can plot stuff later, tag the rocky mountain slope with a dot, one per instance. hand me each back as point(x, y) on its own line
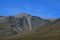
point(50, 31)
point(12, 25)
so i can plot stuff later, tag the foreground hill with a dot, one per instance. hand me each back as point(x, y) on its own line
point(49, 31)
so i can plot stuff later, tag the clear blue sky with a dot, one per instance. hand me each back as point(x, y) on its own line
point(41, 8)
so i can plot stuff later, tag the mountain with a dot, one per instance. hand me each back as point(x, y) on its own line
point(12, 25)
point(50, 31)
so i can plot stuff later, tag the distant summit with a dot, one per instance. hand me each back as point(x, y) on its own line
point(22, 14)
point(24, 22)
point(17, 24)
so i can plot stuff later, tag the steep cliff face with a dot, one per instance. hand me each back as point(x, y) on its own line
point(20, 23)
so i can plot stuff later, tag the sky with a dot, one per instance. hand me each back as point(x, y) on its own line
point(41, 8)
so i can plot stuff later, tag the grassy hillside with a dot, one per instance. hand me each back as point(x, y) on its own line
point(3, 26)
point(49, 31)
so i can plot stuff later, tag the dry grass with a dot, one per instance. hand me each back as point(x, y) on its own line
point(3, 26)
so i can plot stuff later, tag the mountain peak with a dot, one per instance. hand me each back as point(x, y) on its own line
point(22, 14)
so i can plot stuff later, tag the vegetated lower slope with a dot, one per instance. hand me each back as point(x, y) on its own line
point(49, 31)
point(5, 30)
point(3, 27)
point(3, 23)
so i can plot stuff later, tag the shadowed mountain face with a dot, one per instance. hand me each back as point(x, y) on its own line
point(50, 31)
point(11, 25)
